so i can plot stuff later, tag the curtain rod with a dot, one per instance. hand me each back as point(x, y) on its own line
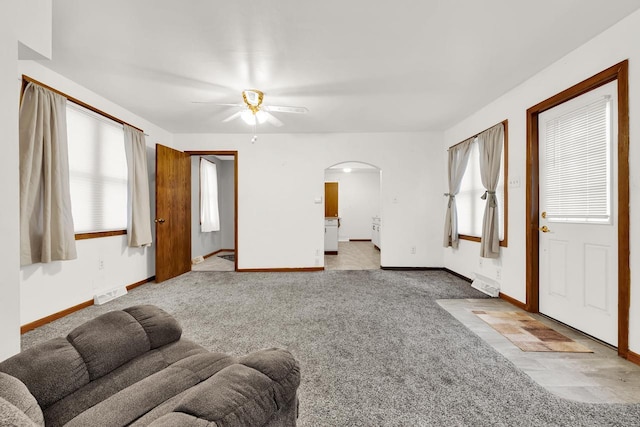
point(504, 122)
point(28, 79)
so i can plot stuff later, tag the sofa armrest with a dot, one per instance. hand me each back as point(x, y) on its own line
point(251, 392)
point(18, 407)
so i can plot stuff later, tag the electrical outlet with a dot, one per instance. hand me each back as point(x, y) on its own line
point(413, 250)
point(480, 262)
point(100, 264)
point(498, 274)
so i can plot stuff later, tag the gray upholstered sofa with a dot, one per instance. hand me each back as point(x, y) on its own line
point(132, 368)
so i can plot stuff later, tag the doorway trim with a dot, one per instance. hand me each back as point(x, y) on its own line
point(235, 189)
point(619, 73)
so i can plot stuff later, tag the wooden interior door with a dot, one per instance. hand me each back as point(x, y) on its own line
point(173, 213)
point(330, 199)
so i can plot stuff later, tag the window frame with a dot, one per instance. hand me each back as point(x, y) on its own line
point(505, 181)
point(25, 81)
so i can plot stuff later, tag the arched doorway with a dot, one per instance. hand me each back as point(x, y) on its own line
point(353, 217)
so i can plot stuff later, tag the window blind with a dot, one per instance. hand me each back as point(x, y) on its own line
point(97, 171)
point(578, 164)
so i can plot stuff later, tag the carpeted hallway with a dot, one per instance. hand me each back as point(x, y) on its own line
point(374, 347)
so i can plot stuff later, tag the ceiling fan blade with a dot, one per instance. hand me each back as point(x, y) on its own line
point(233, 116)
point(216, 103)
point(273, 119)
point(282, 109)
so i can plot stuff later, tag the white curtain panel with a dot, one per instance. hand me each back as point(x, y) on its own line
point(458, 159)
point(490, 144)
point(46, 222)
point(139, 212)
point(209, 213)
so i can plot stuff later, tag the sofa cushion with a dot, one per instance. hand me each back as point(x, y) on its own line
point(136, 400)
point(16, 394)
point(206, 364)
point(160, 326)
point(114, 338)
point(130, 373)
point(50, 370)
point(109, 341)
point(174, 419)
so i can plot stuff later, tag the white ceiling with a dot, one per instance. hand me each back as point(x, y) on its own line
point(357, 65)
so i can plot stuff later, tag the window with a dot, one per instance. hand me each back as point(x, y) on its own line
point(209, 212)
point(470, 206)
point(97, 171)
point(578, 162)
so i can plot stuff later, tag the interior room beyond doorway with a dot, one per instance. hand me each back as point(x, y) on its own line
point(355, 244)
point(355, 255)
point(214, 249)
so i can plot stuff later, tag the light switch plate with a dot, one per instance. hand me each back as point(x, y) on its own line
point(514, 182)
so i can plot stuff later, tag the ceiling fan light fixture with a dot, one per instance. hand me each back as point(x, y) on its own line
point(253, 98)
point(248, 117)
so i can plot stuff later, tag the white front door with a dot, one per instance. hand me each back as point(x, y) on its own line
point(578, 265)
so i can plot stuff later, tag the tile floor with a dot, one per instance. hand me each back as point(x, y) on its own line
point(353, 256)
point(598, 377)
point(215, 263)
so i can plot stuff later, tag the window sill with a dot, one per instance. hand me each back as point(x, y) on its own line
point(98, 234)
point(503, 243)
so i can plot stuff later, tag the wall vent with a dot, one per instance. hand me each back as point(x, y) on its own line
point(486, 285)
point(106, 296)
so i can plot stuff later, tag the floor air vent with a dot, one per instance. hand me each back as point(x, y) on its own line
point(486, 285)
point(110, 295)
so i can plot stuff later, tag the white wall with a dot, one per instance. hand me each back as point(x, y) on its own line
point(280, 225)
point(9, 193)
point(614, 45)
point(48, 288)
point(206, 243)
point(358, 201)
point(35, 26)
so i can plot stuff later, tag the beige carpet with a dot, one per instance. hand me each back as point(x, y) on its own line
point(528, 333)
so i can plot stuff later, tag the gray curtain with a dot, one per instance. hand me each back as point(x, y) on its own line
point(458, 159)
point(490, 144)
point(139, 215)
point(46, 222)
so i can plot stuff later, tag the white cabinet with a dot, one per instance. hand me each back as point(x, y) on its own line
point(331, 236)
point(375, 232)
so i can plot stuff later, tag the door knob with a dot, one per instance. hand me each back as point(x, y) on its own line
point(160, 220)
point(544, 229)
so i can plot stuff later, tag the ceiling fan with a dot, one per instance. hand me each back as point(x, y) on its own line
point(253, 112)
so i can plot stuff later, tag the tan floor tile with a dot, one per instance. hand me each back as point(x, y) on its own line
point(598, 377)
point(353, 256)
point(215, 263)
